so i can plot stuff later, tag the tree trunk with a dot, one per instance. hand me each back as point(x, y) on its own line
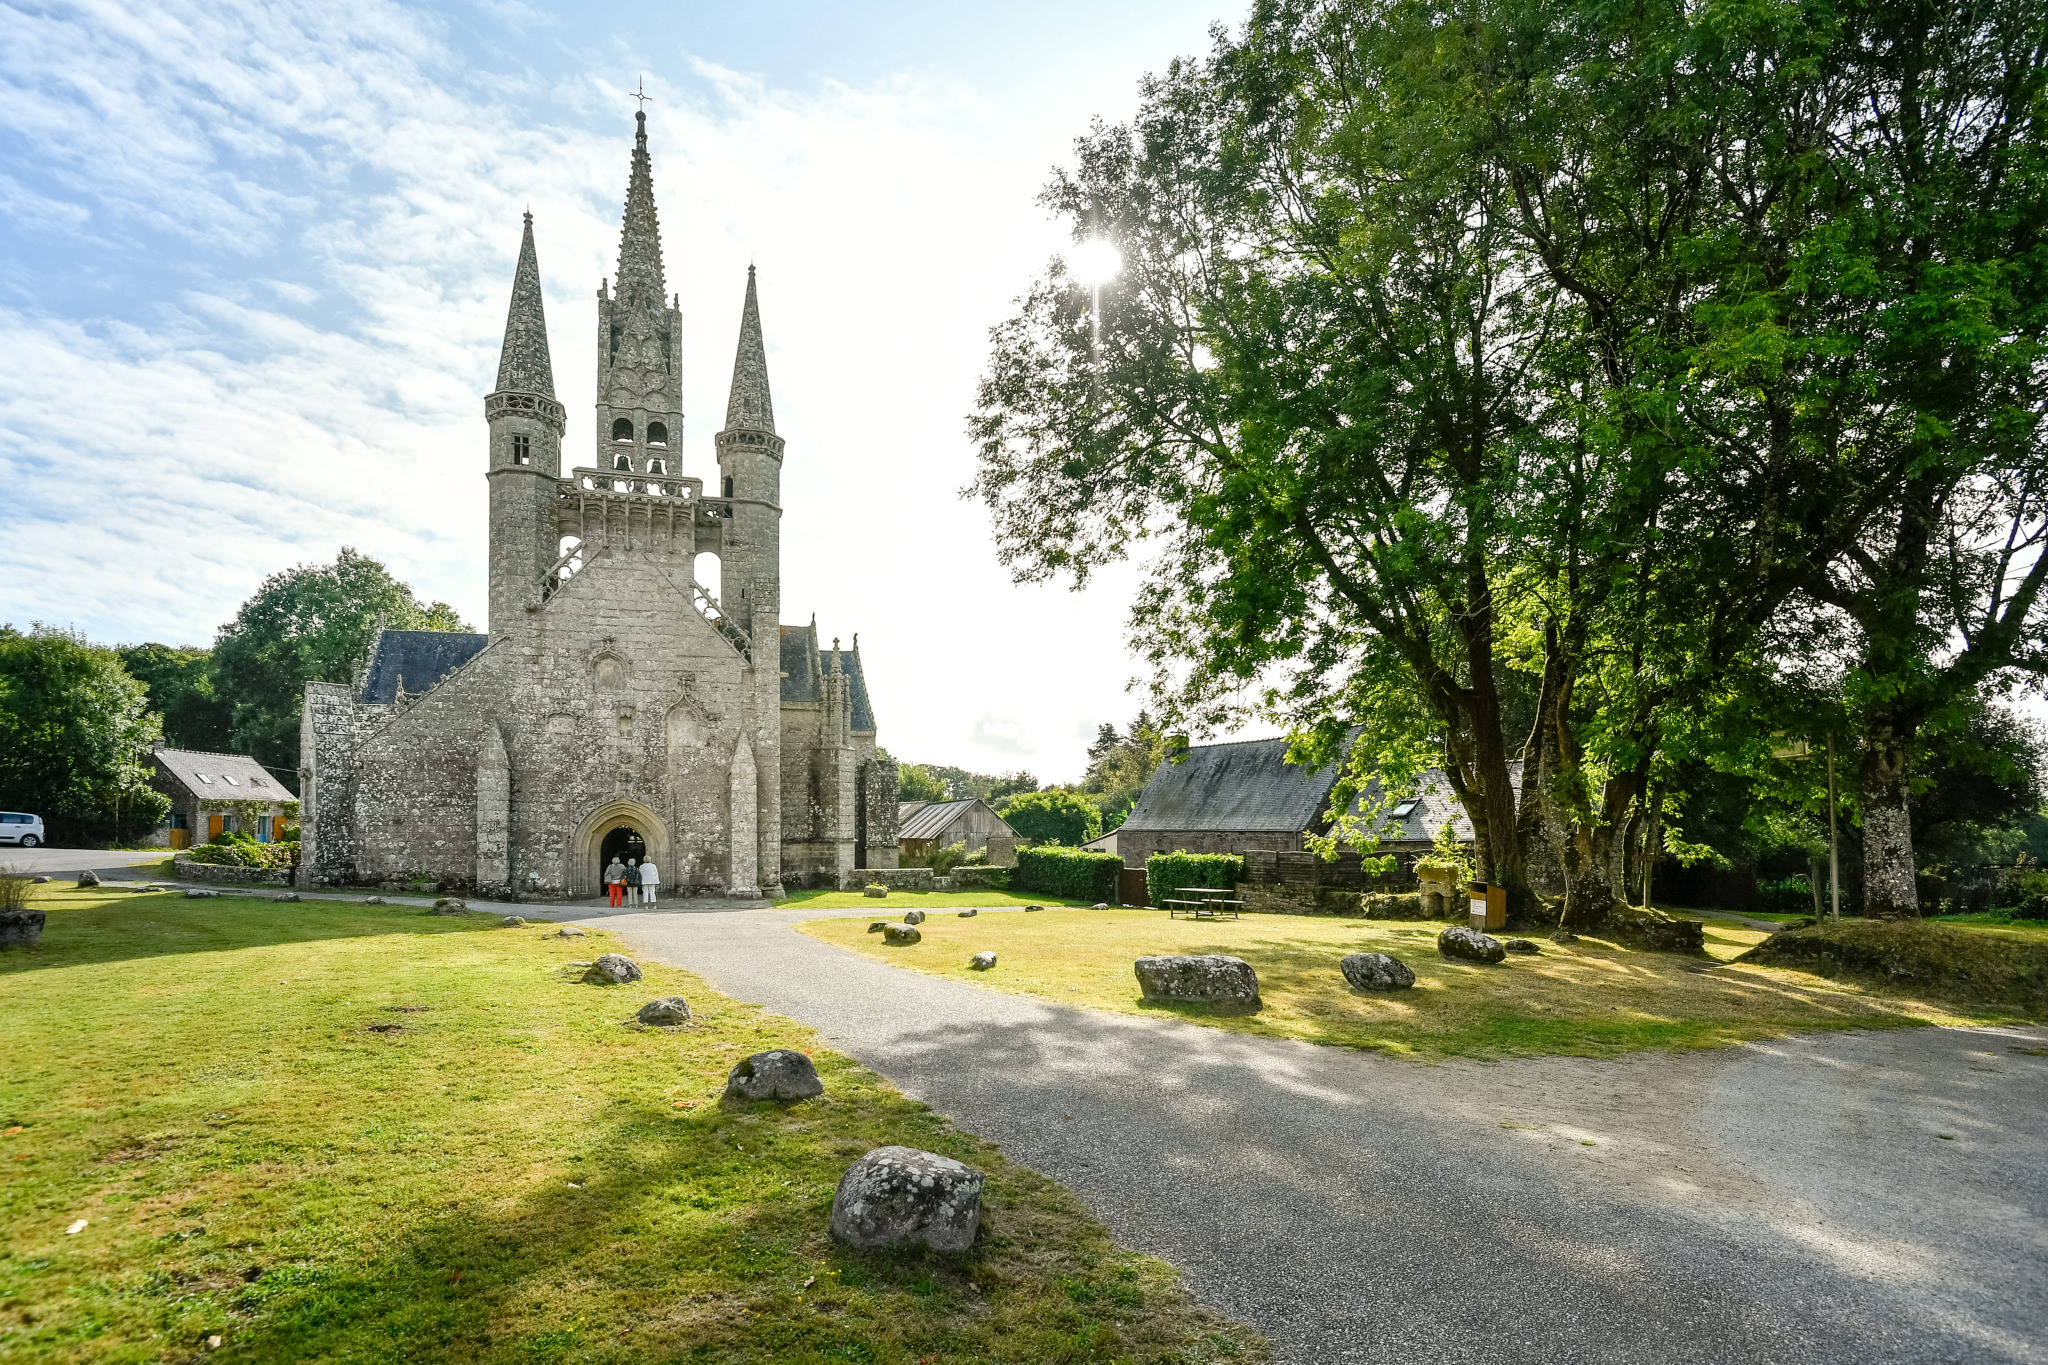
point(1888, 886)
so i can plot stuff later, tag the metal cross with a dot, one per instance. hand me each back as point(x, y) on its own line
point(641, 93)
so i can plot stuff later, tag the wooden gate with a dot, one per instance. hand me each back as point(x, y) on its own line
point(1131, 888)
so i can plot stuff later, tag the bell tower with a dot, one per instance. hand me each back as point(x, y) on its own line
point(526, 452)
point(639, 341)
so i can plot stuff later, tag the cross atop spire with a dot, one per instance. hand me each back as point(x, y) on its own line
point(749, 406)
point(640, 280)
point(641, 94)
point(523, 363)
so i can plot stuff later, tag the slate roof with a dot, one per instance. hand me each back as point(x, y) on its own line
point(804, 664)
point(932, 818)
point(1244, 786)
point(421, 657)
point(1436, 805)
point(222, 777)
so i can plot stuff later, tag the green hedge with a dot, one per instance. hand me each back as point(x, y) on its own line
point(1069, 873)
point(1167, 873)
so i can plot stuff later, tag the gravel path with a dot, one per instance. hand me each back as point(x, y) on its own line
point(1851, 1197)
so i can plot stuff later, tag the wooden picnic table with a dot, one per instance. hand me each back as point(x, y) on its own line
point(1203, 902)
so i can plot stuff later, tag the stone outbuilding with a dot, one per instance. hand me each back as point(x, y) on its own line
point(213, 794)
point(925, 827)
point(636, 693)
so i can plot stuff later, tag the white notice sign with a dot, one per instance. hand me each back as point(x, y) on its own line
point(1479, 908)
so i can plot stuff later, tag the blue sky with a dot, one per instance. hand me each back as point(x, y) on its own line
point(254, 261)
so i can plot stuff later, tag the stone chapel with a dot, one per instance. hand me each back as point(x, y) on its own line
point(617, 705)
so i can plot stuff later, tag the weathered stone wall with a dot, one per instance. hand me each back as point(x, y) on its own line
point(223, 874)
point(1136, 845)
point(895, 878)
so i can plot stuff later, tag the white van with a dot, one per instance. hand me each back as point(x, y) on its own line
point(25, 830)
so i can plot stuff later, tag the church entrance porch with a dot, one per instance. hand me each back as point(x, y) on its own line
point(623, 828)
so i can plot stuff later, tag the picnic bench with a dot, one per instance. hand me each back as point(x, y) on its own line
point(1203, 902)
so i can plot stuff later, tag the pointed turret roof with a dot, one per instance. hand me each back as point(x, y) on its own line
point(640, 280)
point(749, 407)
point(523, 364)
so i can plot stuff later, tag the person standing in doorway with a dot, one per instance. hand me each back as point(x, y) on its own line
point(632, 881)
point(615, 879)
point(650, 881)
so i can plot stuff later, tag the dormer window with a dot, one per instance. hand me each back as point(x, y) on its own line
point(657, 434)
point(622, 430)
point(522, 450)
point(621, 462)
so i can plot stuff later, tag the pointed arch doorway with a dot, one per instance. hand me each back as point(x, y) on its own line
point(615, 827)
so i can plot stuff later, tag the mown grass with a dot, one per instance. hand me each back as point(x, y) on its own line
point(896, 902)
point(330, 1131)
point(1593, 998)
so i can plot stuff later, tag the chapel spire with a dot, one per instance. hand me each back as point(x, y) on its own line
point(749, 408)
point(640, 279)
point(523, 363)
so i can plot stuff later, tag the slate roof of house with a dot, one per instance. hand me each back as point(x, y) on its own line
point(1244, 786)
point(932, 818)
point(804, 666)
point(1435, 805)
point(420, 657)
point(222, 777)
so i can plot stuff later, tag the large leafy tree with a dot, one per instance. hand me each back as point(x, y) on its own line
point(1052, 817)
point(312, 623)
point(1467, 352)
point(74, 732)
point(181, 690)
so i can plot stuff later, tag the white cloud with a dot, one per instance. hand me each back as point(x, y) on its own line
point(326, 203)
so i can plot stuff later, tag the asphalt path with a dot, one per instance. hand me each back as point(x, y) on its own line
point(1851, 1197)
point(69, 862)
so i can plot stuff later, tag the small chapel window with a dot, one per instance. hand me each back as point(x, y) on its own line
point(657, 434)
point(622, 429)
point(522, 450)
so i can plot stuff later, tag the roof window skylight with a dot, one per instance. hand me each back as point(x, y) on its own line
point(204, 778)
point(1406, 809)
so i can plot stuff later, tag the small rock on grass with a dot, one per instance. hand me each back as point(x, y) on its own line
point(613, 969)
point(913, 917)
point(38, 881)
point(899, 1196)
point(878, 926)
point(981, 962)
point(778, 1074)
point(1526, 947)
point(1377, 972)
point(666, 1012)
point(902, 935)
point(451, 905)
point(287, 898)
point(375, 900)
point(88, 878)
point(1469, 945)
point(198, 893)
point(1564, 936)
point(511, 921)
point(1100, 905)
point(969, 914)
point(567, 931)
point(1029, 908)
point(1215, 978)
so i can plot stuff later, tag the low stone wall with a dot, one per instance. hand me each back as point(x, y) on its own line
point(895, 878)
point(223, 874)
point(1286, 898)
point(981, 878)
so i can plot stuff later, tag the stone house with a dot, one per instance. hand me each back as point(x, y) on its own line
point(1244, 797)
point(619, 704)
point(215, 794)
point(925, 827)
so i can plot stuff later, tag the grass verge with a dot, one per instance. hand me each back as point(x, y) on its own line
point(330, 1131)
point(1996, 965)
point(896, 902)
point(1592, 998)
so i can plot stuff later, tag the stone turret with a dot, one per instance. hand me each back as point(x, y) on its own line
point(639, 341)
point(750, 479)
point(526, 451)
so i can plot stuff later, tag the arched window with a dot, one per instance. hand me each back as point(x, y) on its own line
point(622, 462)
point(657, 434)
point(622, 429)
point(657, 466)
point(710, 573)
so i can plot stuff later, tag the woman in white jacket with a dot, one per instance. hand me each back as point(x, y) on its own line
point(650, 881)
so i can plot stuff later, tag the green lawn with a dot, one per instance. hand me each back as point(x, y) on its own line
point(1593, 998)
point(895, 903)
point(330, 1131)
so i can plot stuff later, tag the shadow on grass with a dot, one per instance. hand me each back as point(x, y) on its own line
point(84, 925)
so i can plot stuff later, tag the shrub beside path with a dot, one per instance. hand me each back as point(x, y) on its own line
point(1828, 1197)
